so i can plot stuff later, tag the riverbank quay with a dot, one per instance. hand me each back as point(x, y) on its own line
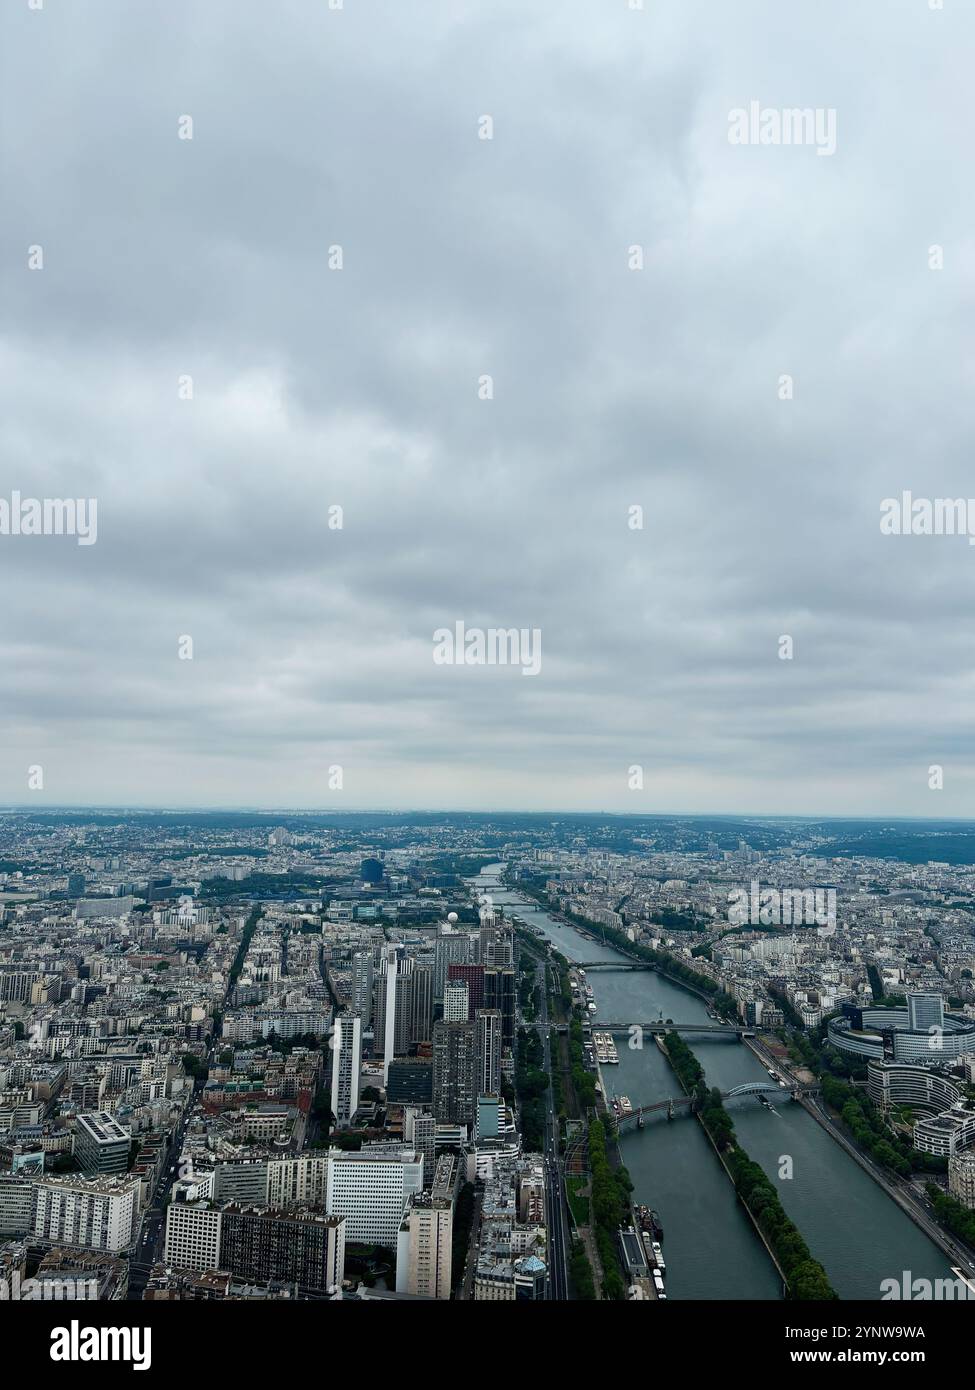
point(957, 1252)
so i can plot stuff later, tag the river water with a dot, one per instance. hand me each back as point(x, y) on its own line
point(712, 1252)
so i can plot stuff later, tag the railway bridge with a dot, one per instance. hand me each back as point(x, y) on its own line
point(690, 1103)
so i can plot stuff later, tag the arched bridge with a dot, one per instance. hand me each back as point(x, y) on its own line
point(625, 1030)
point(611, 965)
point(757, 1088)
point(750, 1088)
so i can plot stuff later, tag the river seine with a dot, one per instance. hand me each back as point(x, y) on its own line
point(849, 1223)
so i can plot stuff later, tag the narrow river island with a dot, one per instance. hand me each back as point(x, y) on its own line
point(849, 1223)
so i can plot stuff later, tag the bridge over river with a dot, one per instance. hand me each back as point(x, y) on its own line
point(749, 1088)
point(626, 1030)
point(611, 965)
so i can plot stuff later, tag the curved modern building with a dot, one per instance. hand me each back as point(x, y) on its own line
point(898, 1083)
point(950, 1125)
point(922, 1032)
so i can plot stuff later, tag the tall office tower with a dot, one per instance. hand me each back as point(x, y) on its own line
point(473, 975)
point(424, 1256)
point(346, 1064)
point(96, 1213)
point(301, 1247)
point(495, 938)
point(925, 1011)
point(452, 947)
point(500, 993)
point(497, 946)
point(392, 1006)
point(421, 1003)
point(487, 936)
point(487, 1023)
point(455, 1073)
point(371, 1188)
point(389, 988)
point(403, 1031)
point(379, 985)
point(362, 986)
point(456, 1002)
point(101, 1145)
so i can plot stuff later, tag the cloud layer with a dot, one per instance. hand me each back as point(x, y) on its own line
point(463, 257)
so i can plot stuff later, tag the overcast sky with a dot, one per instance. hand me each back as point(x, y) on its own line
point(464, 257)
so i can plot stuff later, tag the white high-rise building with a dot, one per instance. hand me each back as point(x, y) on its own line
point(424, 1247)
point(346, 1066)
point(456, 1001)
point(371, 1188)
point(193, 1236)
point(389, 1011)
point(94, 1213)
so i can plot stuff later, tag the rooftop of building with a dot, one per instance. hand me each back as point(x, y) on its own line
point(104, 1127)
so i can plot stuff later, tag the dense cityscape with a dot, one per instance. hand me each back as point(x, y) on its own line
point(318, 1057)
point(487, 796)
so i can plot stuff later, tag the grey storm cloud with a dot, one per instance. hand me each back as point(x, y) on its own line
point(357, 127)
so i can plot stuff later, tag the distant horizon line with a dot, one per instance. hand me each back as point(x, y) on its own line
point(147, 809)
